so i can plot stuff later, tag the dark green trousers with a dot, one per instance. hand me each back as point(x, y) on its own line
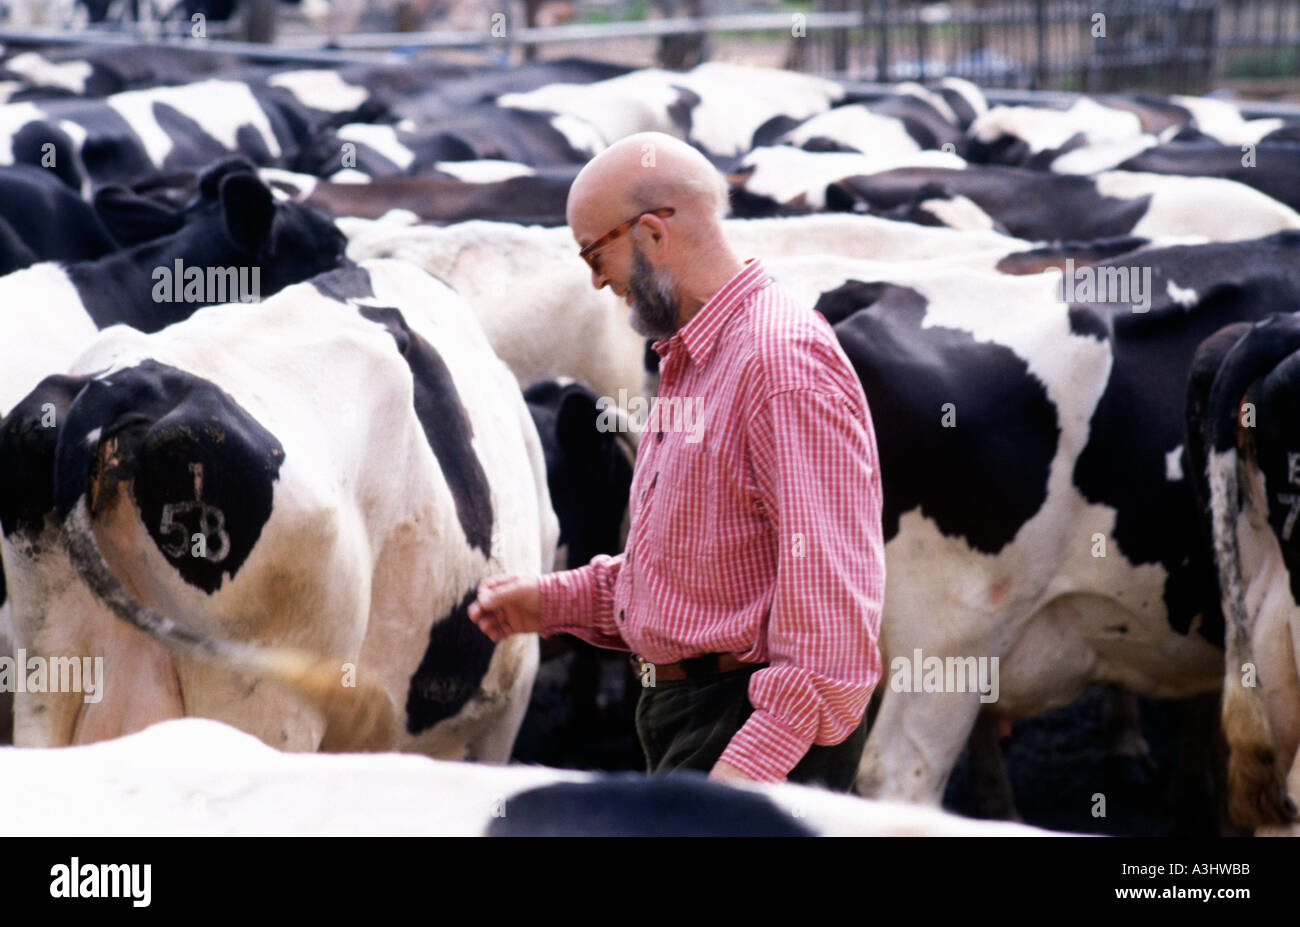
point(687, 724)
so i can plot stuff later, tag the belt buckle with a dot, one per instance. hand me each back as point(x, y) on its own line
point(701, 667)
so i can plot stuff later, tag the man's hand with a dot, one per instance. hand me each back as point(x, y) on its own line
point(507, 605)
point(725, 772)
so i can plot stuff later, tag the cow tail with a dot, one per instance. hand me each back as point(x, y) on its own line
point(1256, 793)
point(359, 717)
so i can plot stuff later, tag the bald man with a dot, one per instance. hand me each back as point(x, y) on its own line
point(751, 584)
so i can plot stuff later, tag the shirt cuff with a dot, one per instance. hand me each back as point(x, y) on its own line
point(765, 748)
point(551, 590)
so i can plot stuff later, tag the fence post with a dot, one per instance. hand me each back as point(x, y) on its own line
point(882, 51)
point(1040, 27)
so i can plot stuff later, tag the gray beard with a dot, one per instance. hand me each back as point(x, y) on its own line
point(653, 299)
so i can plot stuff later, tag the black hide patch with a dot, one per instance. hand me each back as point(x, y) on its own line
point(196, 462)
point(684, 804)
point(1028, 204)
point(446, 427)
point(588, 474)
point(452, 669)
point(1140, 419)
point(344, 284)
point(29, 435)
point(192, 147)
point(980, 480)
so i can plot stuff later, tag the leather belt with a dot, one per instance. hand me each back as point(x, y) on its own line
point(711, 664)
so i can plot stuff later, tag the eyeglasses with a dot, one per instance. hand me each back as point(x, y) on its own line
point(588, 253)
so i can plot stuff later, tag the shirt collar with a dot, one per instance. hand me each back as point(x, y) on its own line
point(700, 334)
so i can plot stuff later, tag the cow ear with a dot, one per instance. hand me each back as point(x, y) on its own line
point(247, 211)
point(210, 180)
point(577, 420)
point(132, 218)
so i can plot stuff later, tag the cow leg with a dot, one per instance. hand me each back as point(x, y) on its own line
point(1282, 696)
point(497, 741)
point(1121, 725)
point(990, 784)
point(914, 743)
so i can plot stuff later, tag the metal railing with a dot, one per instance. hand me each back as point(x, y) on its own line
point(1159, 45)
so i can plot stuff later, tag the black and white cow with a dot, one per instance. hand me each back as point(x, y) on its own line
point(1032, 455)
point(564, 327)
point(233, 242)
point(127, 136)
point(716, 107)
point(1242, 448)
point(291, 504)
point(1042, 206)
point(454, 191)
point(99, 71)
point(1270, 167)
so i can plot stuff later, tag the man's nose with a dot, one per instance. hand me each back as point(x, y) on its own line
point(598, 279)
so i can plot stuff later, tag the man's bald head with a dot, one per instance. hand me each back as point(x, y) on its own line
point(647, 171)
point(666, 265)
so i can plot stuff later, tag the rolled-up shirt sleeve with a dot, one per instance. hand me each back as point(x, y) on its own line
point(817, 478)
point(581, 602)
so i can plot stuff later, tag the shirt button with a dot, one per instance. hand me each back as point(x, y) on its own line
point(621, 615)
point(659, 435)
point(654, 481)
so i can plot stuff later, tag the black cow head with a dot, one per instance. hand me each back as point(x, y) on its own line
point(588, 467)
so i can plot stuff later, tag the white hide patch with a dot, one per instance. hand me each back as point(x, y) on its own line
point(959, 213)
point(1043, 129)
point(288, 185)
point(382, 139)
point(969, 92)
point(69, 75)
point(349, 175)
point(1174, 464)
point(1219, 209)
point(611, 109)
point(220, 107)
point(856, 126)
point(320, 89)
point(785, 173)
point(1221, 120)
point(1103, 155)
point(485, 170)
point(735, 100)
point(12, 118)
point(1185, 297)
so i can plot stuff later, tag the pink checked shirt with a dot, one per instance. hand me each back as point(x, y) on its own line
point(755, 524)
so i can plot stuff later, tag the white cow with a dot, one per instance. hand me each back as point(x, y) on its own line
point(534, 297)
point(198, 777)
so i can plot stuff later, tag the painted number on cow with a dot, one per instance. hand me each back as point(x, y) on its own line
point(211, 526)
point(1291, 499)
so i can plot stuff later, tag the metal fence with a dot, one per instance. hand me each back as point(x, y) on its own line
point(1077, 45)
point(1171, 46)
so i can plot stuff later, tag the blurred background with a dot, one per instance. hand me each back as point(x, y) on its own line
point(1249, 48)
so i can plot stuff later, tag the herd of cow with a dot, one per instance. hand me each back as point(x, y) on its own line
point(1071, 323)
